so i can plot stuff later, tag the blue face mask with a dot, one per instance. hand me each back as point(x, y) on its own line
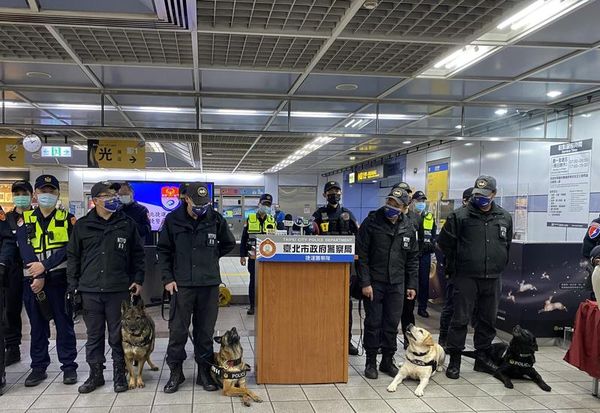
point(420, 207)
point(47, 200)
point(481, 201)
point(391, 212)
point(113, 204)
point(200, 211)
point(22, 201)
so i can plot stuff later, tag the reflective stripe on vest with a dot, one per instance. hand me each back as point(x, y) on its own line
point(56, 236)
point(254, 226)
point(428, 222)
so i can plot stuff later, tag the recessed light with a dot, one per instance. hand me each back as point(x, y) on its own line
point(469, 144)
point(586, 115)
point(538, 128)
point(459, 138)
point(374, 182)
point(38, 75)
point(554, 93)
point(352, 158)
point(494, 139)
point(501, 112)
point(458, 127)
point(407, 142)
point(370, 4)
point(347, 86)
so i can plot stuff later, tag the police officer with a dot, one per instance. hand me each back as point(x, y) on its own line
point(426, 235)
point(42, 238)
point(134, 210)
point(8, 252)
point(388, 260)
point(260, 222)
point(192, 240)
point(105, 262)
point(476, 240)
point(335, 219)
point(21, 193)
point(448, 309)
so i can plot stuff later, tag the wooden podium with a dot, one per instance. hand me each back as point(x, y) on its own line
point(302, 312)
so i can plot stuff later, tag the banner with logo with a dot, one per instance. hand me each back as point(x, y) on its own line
point(122, 154)
point(289, 248)
point(569, 190)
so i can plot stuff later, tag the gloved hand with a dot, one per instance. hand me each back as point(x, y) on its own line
point(74, 302)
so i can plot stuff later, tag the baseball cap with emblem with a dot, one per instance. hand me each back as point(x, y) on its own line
point(198, 193)
point(399, 195)
point(266, 198)
point(21, 185)
point(102, 187)
point(330, 185)
point(484, 185)
point(419, 196)
point(47, 180)
point(405, 186)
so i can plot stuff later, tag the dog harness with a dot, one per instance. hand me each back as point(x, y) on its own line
point(432, 363)
point(524, 360)
point(223, 374)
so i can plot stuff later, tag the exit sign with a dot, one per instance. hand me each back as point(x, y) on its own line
point(56, 151)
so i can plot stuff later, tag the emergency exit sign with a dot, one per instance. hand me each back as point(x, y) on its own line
point(56, 152)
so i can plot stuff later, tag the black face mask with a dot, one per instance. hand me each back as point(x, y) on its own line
point(334, 199)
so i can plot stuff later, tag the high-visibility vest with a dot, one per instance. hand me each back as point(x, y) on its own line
point(56, 235)
point(428, 222)
point(255, 227)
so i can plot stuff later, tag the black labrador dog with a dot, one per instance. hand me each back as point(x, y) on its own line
point(516, 359)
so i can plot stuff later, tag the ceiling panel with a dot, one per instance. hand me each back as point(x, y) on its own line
point(441, 89)
point(298, 15)
point(370, 86)
point(534, 92)
point(102, 45)
point(106, 6)
point(245, 81)
point(145, 77)
point(384, 57)
point(256, 51)
point(43, 74)
point(29, 43)
point(445, 19)
point(250, 104)
point(514, 61)
point(64, 98)
point(583, 67)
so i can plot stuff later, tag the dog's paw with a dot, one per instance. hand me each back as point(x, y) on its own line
point(419, 392)
point(140, 384)
point(392, 387)
point(132, 385)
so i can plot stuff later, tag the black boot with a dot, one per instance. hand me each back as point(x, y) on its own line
point(387, 365)
point(371, 366)
point(250, 311)
point(12, 355)
point(95, 380)
point(175, 379)
point(204, 378)
point(2, 383)
point(35, 377)
point(352, 350)
point(453, 370)
point(484, 364)
point(120, 381)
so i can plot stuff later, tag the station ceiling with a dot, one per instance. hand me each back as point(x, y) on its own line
point(240, 85)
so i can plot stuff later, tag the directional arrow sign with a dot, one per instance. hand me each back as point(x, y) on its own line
point(112, 153)
point(12, 153)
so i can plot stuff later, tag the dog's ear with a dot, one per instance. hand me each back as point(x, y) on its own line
point(429, 341)
point(124, 306)
point(218, 339)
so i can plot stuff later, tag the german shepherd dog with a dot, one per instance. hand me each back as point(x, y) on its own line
point(229, 371)
point(138, 332)
point(516, 359)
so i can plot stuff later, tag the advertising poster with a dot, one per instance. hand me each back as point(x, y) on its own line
point(437, 181)
point(520, 220)
point(569, 191)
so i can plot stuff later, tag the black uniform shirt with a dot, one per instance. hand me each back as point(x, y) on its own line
point(591, 239)
point(337, 224)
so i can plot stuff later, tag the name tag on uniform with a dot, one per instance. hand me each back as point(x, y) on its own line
point(121, 242)
point(211, 240)
point(325, 226)
point(503, 231)
point(406, 242)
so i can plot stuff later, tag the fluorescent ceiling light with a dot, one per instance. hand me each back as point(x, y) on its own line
point(554, 93)
point(353, 158)
point(301, 153)
point(458, 127)
point(459, 60)
point(459, 138)
point(154, 147)
point(390, 116)
point(80, 147)
point(494, 139)
point(407, 142)
point(469, 144)
point(501, 112)
point(586, 115)
point(540, 12)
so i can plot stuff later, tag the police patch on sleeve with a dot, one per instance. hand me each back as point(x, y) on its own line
point(594, 230)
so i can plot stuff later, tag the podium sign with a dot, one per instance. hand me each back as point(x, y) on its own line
point(305, 248)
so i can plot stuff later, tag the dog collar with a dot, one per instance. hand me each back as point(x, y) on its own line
point(223, 374)
point(420, 363)
point(520, 363)
point(418, 354)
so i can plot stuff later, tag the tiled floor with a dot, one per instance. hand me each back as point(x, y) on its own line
point(472, 392)
point(234, 275)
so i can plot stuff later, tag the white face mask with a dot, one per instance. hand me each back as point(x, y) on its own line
point(126, 199)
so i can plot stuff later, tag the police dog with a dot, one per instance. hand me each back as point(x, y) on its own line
point(516, 359)
point(229, 371)
point(138, 332)
point(423, 358)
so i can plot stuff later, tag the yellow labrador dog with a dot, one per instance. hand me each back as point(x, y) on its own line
point(422, 359)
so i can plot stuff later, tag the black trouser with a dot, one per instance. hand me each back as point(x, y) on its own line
point(408, 314)
point(14, 307)
point(447, 311)
point(102, 311)
point(3, 298)
point(382, 316)
point(482, 294)
point(252, 283)
point(424, 270)
point(201, 305)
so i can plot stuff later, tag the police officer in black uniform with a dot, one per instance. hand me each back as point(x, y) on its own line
point(335, 219)
point(22, 193)
point(192, 240)
point(105, 262)
point(134, 210)
point(8, 253)
point(476, 240)
point(388, 264)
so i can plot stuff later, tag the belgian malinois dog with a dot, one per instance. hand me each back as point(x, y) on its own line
point(138, 332)
point(229, 371)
